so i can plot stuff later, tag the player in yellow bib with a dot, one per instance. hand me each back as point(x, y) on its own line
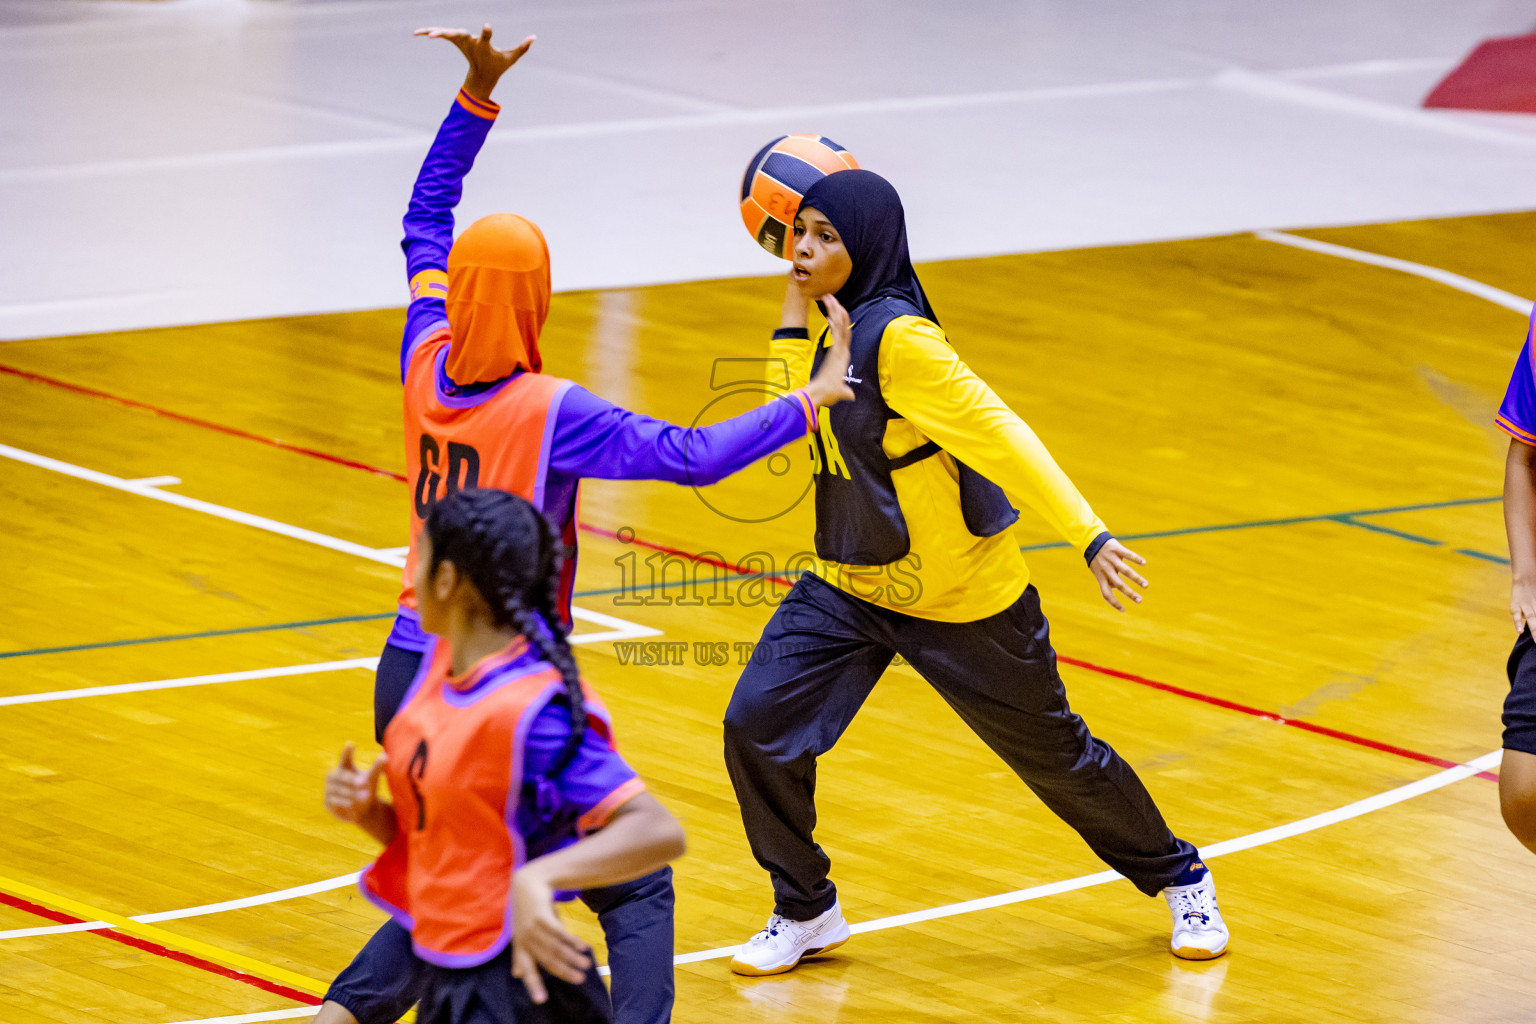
point(914, 557)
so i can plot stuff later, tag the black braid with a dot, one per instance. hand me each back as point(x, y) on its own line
point(512, 556)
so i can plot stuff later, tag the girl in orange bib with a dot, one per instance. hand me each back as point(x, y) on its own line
point(507, 788)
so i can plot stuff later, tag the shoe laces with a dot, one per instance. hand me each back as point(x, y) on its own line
point(1190, 902)
point(776, 924)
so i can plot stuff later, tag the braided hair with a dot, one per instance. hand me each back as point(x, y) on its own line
point(512, 556)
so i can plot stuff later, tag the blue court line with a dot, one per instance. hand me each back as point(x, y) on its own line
point(1345, 518)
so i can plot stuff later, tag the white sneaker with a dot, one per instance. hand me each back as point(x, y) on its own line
point(781, 944)
point(1198, 930)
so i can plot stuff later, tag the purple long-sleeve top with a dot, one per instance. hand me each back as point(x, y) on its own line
point(591, 437)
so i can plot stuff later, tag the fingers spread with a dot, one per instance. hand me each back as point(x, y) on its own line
point(1129, 573)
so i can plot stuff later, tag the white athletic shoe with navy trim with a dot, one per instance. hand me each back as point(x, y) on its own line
point(1199, 933)
point(782, 942)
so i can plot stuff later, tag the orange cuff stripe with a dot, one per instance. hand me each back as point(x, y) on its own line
point(1514, 431)
point(478, 107)
point(598, 816)
point(809, 408)
point(429, 284)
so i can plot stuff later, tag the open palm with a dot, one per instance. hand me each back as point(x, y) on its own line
point(486, 63)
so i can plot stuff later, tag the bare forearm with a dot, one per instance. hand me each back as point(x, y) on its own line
point(379, 821)
point(1520, 509)
point(480, 84)
point(642, 837)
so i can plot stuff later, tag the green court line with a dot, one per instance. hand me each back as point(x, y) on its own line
point(1254, 524)
point(1399, 534)
point(1345, 518)
point(198, 636)
point(1485, 556)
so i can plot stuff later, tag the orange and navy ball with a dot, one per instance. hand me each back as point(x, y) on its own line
point(776, 179)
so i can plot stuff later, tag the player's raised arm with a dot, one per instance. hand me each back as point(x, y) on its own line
point(439, 185)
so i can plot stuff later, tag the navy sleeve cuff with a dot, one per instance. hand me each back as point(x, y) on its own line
point(801, 333)
point(1097, 543)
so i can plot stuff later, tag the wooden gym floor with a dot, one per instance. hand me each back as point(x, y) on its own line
point(1302, 445)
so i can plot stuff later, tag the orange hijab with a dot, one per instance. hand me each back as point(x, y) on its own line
point(498, 297)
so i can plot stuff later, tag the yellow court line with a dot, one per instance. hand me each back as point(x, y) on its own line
point(226, 957)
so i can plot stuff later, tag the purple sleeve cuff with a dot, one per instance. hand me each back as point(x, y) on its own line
point(1095, 544)
point(597, 439)
point(1517, 413)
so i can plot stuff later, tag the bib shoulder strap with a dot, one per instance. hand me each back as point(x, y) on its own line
point(918, 454)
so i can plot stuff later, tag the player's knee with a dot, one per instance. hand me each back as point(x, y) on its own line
point(1519, 809)
point(745, 720)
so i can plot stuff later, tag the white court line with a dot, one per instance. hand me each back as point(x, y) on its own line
point(1269, 835)
point(1497, 296)
point(597, 129)
point(1439, 780)
point(261, 899)
point(172, 684)
point(254, 1018)
point(618, 629)
point(145, 490)
point(1285, 90)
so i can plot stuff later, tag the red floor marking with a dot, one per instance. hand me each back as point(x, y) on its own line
point(159, 950)
point(1297, 723)
point(1270, 716)
point(131, 403)
point(692, 557)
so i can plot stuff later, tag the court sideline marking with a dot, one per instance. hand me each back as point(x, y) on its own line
point(237, 966)
point(146, 489)
point(1264, 837)
point(340, 881)
point(339, 460)
point(1497, 296)
point(623, 630)
point(619, 629)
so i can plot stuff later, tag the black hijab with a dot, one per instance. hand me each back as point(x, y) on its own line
point(867, 213)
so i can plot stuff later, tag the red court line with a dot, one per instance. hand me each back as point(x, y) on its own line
point(691, 556)
point(131, 403)
point(1270, 716)
point(159, 950)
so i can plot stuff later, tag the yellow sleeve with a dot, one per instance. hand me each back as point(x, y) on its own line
point(795, 354)
point(924, 380)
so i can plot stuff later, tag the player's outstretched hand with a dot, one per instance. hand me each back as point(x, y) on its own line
point(828, 387)
point(1111, 567)
point(351, 794)
point(540, 940)
point(486, 63)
